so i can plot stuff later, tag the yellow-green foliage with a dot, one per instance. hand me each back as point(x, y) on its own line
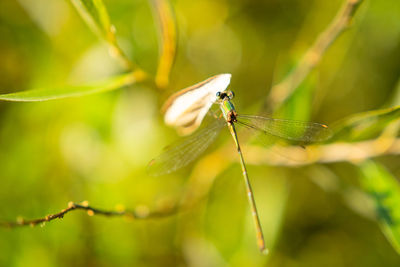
point(95, 124)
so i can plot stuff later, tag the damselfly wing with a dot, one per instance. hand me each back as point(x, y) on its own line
point(186, 150)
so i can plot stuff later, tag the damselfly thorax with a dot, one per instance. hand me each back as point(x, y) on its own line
point(228, 109)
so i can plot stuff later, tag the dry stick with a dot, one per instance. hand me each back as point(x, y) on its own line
point(312, 57)
point(337, 152)
point(137, 214)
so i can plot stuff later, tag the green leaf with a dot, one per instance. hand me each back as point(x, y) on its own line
point(364, 125)
point(384, 189)
point(95, 15)
point(74, 91)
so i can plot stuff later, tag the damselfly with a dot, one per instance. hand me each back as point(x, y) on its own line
point(186, 109)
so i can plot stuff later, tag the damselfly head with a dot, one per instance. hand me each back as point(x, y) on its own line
point(225, 94)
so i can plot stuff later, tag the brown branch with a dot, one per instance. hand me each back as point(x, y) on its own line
point(139, 213)
point(314, 54)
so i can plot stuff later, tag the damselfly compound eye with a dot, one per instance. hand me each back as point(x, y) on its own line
point(218, 94)
point(230, 94)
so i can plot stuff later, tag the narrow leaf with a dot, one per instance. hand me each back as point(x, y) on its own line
point(74, 91)
point(364, 125)
point(167, 32)
point(95, 14)
point(384, 189)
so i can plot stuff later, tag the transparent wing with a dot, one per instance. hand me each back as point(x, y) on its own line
point(184, 151)
point(294, 131)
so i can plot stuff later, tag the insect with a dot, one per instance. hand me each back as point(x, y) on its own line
point(186, 109)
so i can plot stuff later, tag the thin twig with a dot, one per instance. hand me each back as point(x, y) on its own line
point(314, 54)
point(139, 213)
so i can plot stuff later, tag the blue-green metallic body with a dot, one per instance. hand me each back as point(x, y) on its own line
point(228, 109)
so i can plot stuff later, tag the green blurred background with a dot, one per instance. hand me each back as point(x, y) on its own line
point(96, 148)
